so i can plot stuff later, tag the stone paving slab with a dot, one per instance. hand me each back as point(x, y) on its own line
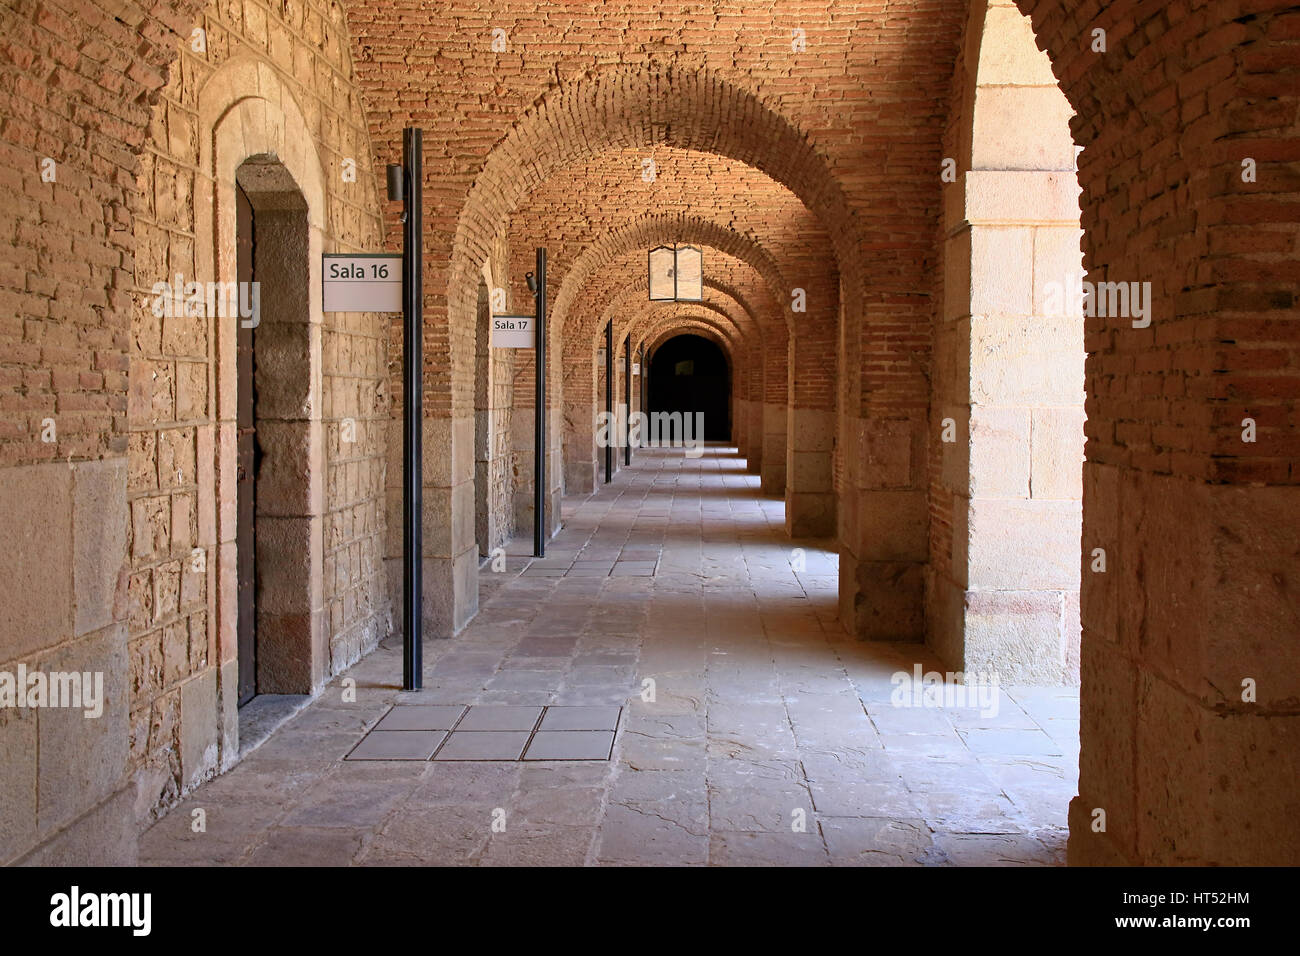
point(752, 731)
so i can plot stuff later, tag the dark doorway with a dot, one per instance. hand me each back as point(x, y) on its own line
point(281, 443)
point(689, 374)
point(248, 455)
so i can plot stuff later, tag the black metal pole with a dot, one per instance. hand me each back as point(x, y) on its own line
point(627, 401)
point(413, 411)
point(609, 402)
point(539, 413)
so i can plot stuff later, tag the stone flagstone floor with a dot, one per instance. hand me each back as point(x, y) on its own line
point(770, 738)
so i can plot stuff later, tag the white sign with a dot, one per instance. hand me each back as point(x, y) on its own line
point(513, 331)
point(361, 283)
point(636, 368)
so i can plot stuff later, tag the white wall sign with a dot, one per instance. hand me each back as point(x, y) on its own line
point(361, 283)
point(636, 368)
point(513, 331)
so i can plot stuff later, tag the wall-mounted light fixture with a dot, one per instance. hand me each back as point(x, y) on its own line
point(676, 274)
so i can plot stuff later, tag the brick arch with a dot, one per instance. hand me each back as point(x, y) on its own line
point(742, 322)
point(776, 420)
point(652, 230)
point(719, 296)
point(657, 103)
point(581, 400)
point(771, 335)
point(602, 303)
point(736, 296)
point(729, 314)
point(745, 331)
point(645, 324)
point(695, 325)
point(729, 317)
point(669, 327)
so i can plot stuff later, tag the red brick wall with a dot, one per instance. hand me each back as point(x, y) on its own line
point(77, 81)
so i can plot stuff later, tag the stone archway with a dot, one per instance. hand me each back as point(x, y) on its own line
point(1003, 583)
point(263, 145)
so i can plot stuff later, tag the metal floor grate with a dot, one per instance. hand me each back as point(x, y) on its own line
point(491, 732)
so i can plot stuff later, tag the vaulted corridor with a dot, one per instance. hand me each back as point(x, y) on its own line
point(764, 714)
point(848, 432)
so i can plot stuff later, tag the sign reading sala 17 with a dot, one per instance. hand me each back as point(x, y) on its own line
point(513, 331)
point(361, 283)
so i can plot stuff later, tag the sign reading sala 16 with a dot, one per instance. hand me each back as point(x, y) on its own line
point(361, 283)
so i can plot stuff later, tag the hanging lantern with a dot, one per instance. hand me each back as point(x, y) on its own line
point(690, 274)
point(676, 274)
point(663, 274)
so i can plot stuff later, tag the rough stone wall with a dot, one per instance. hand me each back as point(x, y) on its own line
point(77, 81)
point(181, 429)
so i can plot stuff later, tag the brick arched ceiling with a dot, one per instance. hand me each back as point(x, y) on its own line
point(631, 312)
point(865, 103)
point(691, 325)
point(716, 308)
point(723, 78)
point(618, 260)
point(590, 212)
point(651, 324)
point(642, 106)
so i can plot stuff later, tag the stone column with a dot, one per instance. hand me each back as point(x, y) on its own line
point(809, 493)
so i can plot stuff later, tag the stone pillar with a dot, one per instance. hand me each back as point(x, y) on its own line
point(1010, 386)
point(578, 457)
point(810, 493)
point(292, 623)
point(754, 429)
point(739, 415)
point(450, 551)
point(577, 460)
point(882, 521)
point(773, 456)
